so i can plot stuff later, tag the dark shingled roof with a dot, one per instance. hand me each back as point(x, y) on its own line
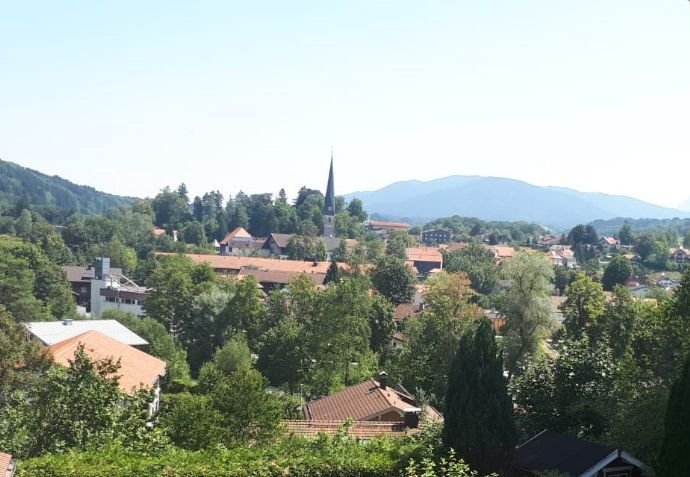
point(551, 451)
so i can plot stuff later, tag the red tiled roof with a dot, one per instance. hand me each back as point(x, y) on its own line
point(404, 310)
point(424, 254)
point(358, 429)
point(360, 402)
point(279, 277)
point(137, 369)
point(236, 263)
point(610, 240)
point(6, 465)
point(452, 247)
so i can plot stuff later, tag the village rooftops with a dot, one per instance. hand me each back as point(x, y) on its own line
point(225, 263)
point(379, 224)
point(52, 332)
point(278, 277)
point(424, 254)
point(137, 369)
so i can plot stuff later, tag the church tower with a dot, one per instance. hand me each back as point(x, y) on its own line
point(329, 206)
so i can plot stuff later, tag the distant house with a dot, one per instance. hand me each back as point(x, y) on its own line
point(240, 242)
point(548, 451)
point(501, 252)
point(561, 256)
point(435, 236)
point(496, 318)
point(384, 229)
point(159, 232)
point(680, 255)
point(545, 241)
point(424, 259)
point(137, 369)
point(608, 243)
point(370, 400)
point(113, 291)
point(51, 332)
point(398, 340)
point(79, 278)
point(7, 465)
point(277, 244)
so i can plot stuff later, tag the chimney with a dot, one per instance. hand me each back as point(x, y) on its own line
point(412, 417)
point(383, 379)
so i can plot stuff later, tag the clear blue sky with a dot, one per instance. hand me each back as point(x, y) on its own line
point(132, 96)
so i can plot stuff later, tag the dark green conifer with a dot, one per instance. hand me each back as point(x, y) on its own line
point(675, 456)
point(478, 420)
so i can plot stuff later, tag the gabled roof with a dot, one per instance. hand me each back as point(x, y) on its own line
point(239, 233)
point(609, 240)
point(51, 332)
point(6, 465)
point(361, 402)
point(502, 251)
point(281, 240)
point(404, 310)
point(424, 254)
point(83, 274)
point(137, 369)
point(570, 455)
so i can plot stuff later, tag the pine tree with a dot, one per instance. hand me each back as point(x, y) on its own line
point(675, 458)
point(478, 420)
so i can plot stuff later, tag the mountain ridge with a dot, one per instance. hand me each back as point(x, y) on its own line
point(500, 198)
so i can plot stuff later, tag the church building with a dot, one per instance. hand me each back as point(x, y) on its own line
point(329, 206)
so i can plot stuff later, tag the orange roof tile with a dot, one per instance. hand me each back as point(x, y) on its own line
point(6, 465)
point(424, 254)
point(358, 429)
point(137, 369)
point(360, 402)
point(236, 263)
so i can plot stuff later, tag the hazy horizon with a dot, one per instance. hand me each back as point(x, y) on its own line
point(131, 97)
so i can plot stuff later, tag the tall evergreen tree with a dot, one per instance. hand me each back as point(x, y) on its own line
point(479, 422)
point(675, 458)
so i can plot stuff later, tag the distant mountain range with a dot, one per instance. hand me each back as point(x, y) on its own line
point(495, 198)
point(45, 192)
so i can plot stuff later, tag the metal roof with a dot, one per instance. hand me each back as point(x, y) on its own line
point(52, 332)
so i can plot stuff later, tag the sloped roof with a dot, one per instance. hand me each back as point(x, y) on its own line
point(137, 369)
point(359, 402)
point(502, 251)
point(281, 240)
point(424, 254)
point(404, 310)
point(610, 240)
point(82, 274)
point(236, 263)
point(51, 332)
point(6, 465)
point(239, 233)
point(550, 451)
point(358, 429)
point(280, 277)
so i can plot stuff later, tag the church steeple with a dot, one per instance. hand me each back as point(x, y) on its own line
point(329, 205)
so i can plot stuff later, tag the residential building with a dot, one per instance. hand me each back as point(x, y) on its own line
point(137, 369)
point(501, 252)
point(424, 259)
point(548, 451)
point(546, 241)
point(7, 465)
point(398, 340)
point(277, 244)
point(561, 256)
point(370, 400)
point(80, 279)
point(241, 242)
point(680, 255)
point(435, 236)
point(608, 243)
point(272, 279)
point(114, 291)
point(329, 205)
point(231, 265)
point(384, 229)
point(159, 232)
point(52, 332)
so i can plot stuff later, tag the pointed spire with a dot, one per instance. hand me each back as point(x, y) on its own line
point(329, 202)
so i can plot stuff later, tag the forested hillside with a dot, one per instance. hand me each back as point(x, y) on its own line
point(52, 196)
